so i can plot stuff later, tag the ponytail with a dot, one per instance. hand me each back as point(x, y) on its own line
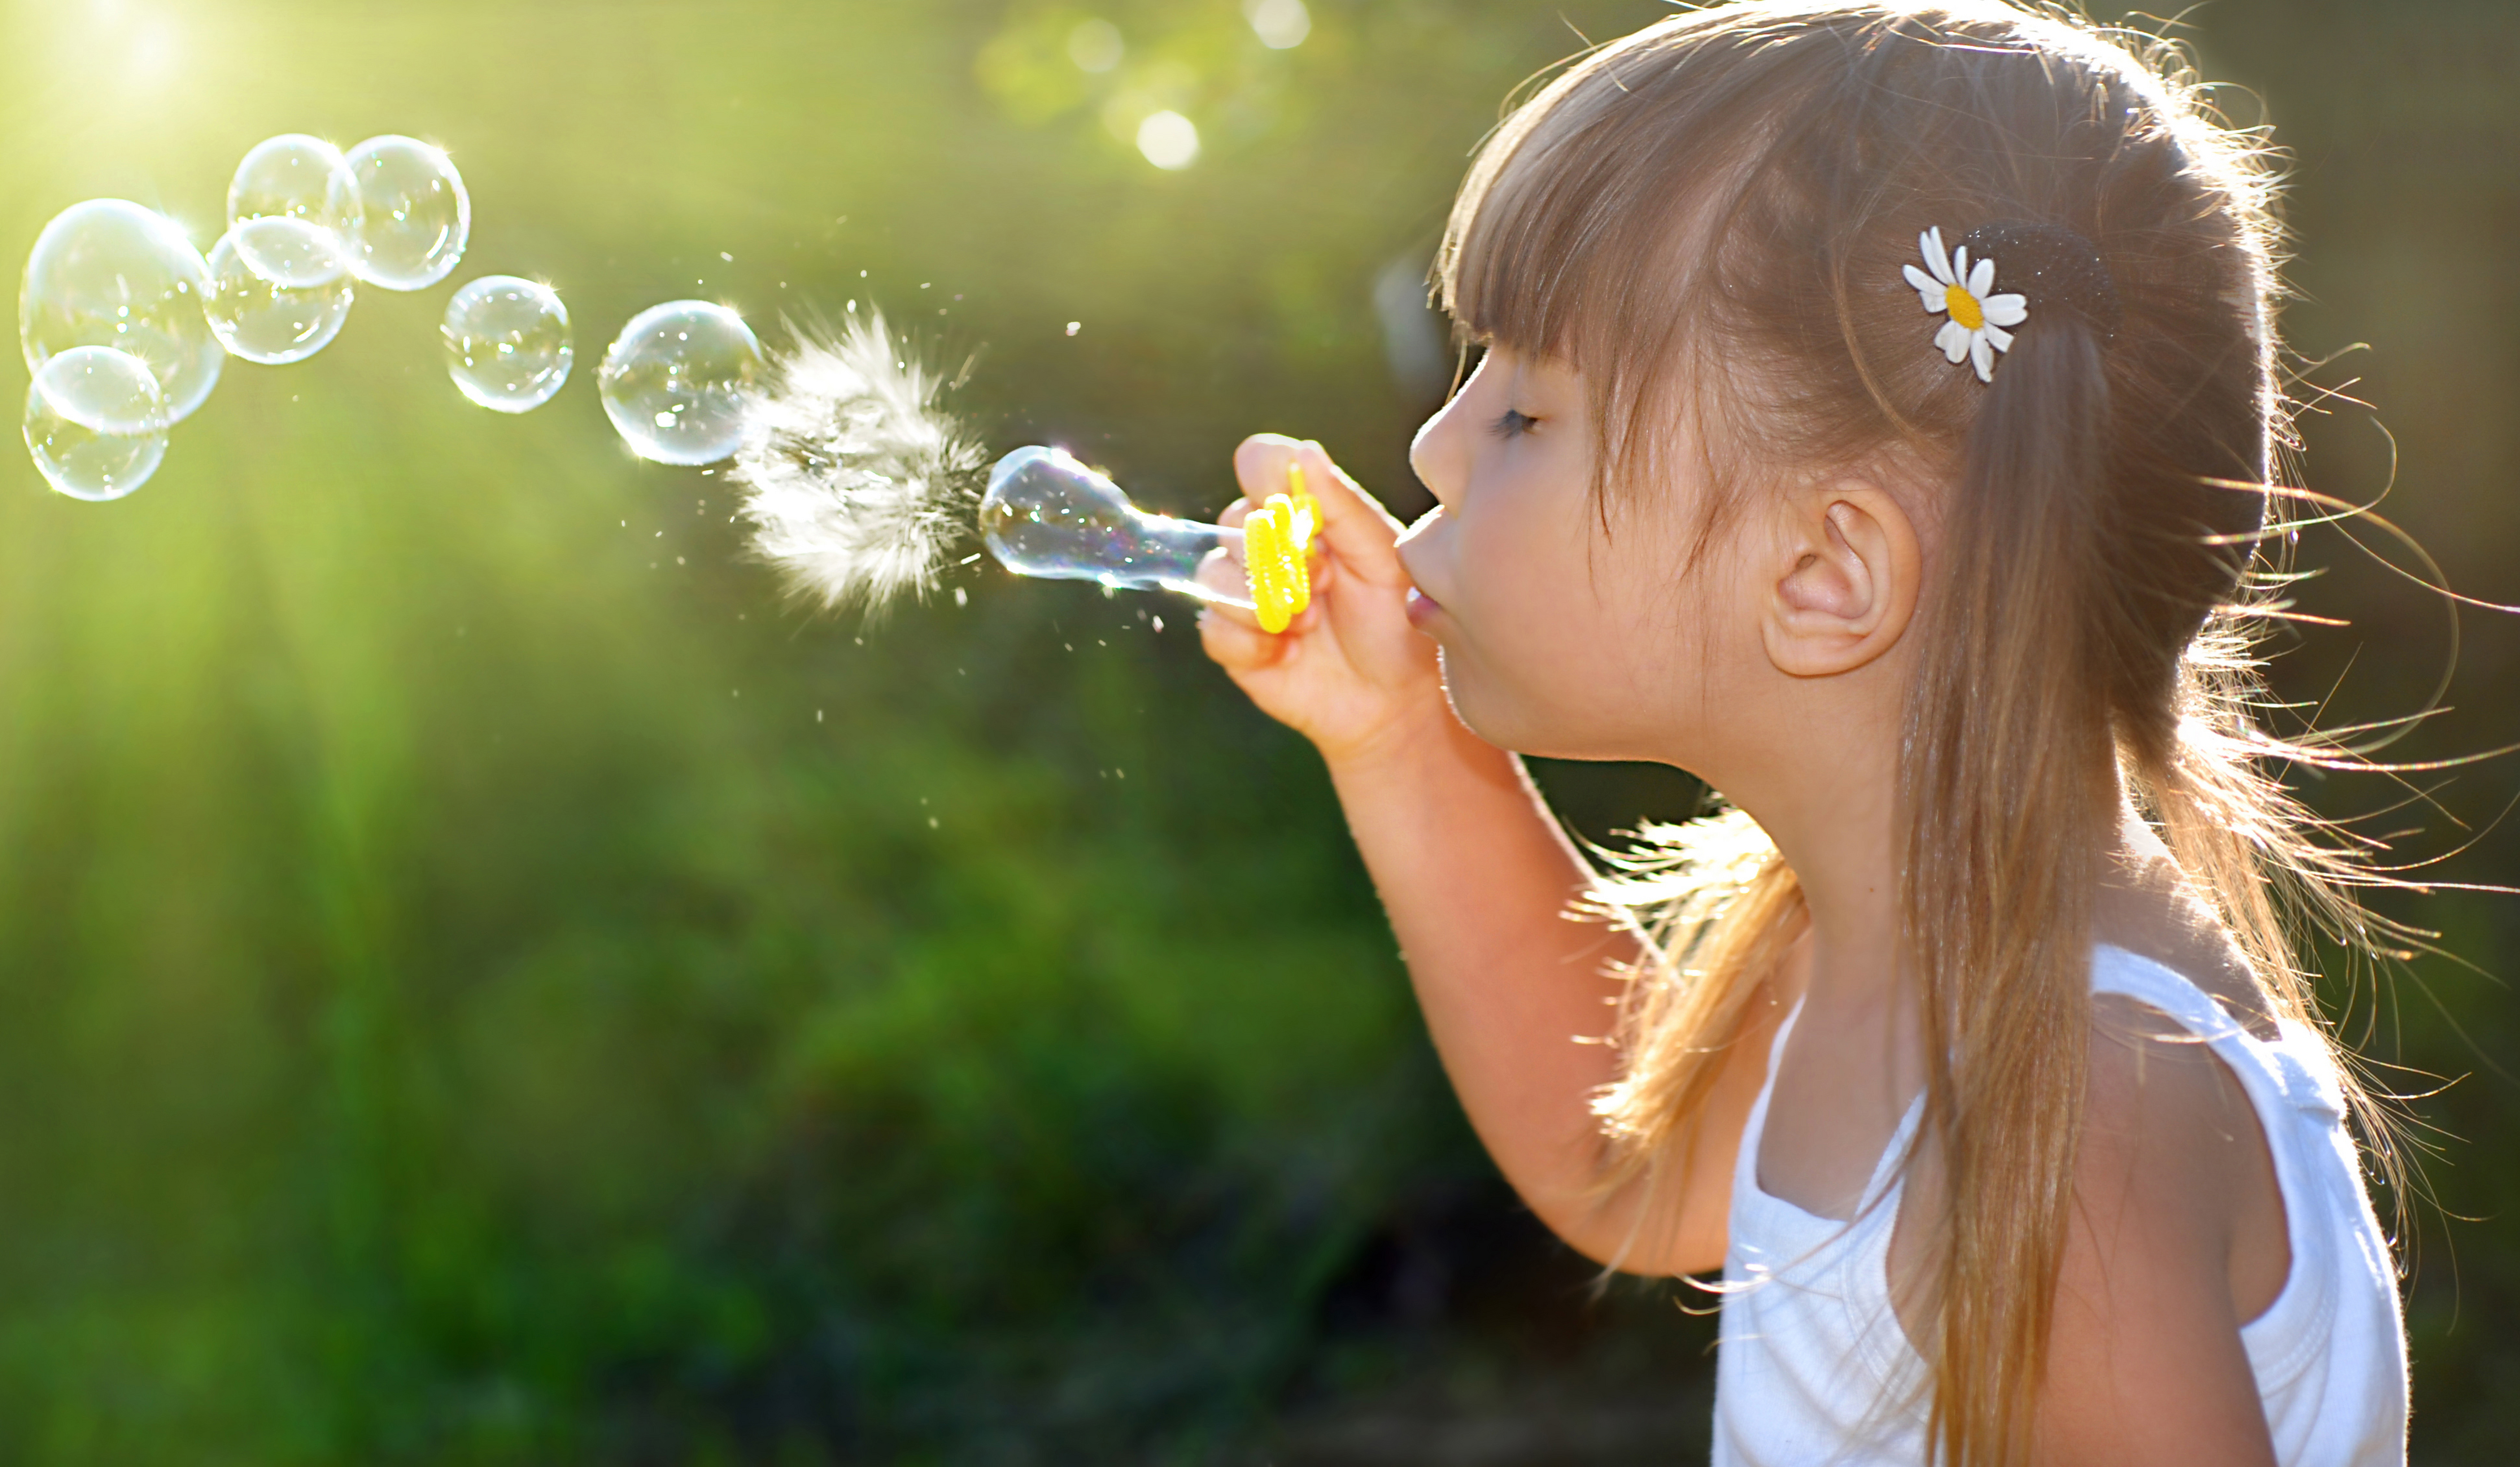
point(2007, 807)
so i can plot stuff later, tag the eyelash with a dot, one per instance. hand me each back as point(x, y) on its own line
point(1512, 424)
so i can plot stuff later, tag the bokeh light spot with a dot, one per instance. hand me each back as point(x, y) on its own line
point(1281, 25)
point(1096, 46)
point(1169, 139)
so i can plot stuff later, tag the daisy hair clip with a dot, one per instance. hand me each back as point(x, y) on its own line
point(2060, 267)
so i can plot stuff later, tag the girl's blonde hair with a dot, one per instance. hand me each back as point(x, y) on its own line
point(1708, 219)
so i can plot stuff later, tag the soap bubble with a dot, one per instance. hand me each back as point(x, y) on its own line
point(290, 253)
point(676, 382)
point(414, 215)
point(506, 342)
point(96, 421)
point(110, 273)
point(1047, 514)
point(264, 322)
point(305, 179)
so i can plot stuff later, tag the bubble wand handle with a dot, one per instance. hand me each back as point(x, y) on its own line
point(1046, 514)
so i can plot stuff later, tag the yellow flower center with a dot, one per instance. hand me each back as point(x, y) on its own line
point(1963, 306)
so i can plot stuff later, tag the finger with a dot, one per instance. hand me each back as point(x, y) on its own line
point(1260, 464)
point(1232, 641)
point(1354, 525)
point(1342, 499)
point(1223, 572)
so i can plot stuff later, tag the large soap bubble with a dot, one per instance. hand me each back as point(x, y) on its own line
point(506, 342)
point(304, 179)
point(110, 273)
point(414, 215)
point(96, 421)
point(676, 382)
point(1047, 514)
point(262, 321)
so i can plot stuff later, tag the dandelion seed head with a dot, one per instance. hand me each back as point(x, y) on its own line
point(856, 484)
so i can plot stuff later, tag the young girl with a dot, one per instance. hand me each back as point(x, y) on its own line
point(1874, 416)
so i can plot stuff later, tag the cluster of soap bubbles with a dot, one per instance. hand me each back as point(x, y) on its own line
point(126, 325)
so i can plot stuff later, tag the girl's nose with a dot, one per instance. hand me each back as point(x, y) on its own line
point(1440, 456)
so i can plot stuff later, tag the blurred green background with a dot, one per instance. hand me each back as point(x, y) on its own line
point(483, 981)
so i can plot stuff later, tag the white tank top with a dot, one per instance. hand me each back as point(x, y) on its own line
point(1813, 1368)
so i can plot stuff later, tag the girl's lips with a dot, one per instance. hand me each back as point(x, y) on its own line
point(1421, 609)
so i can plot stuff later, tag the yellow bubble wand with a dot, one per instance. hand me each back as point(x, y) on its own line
point(1276, 539)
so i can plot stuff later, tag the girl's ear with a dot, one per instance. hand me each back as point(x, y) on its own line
point(1845, 580)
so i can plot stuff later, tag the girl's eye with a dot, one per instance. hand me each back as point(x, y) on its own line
point(1513, 423)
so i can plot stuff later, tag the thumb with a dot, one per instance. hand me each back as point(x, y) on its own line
point(1359, 532)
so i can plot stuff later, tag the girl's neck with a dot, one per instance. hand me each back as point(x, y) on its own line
point(1836, 829)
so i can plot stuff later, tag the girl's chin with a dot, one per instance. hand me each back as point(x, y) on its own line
point(1474, 706)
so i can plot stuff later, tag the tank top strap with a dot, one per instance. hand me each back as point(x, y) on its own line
point(2294, 1064)
point(1891, 1169)
point(1887, 1170)
point(1745, 1166)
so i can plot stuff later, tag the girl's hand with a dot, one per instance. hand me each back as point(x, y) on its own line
point(1349, 673)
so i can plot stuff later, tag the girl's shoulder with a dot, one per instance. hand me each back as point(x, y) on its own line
point(2151, 927)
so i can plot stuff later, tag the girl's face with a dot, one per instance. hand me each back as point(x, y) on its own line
point(1560, 636)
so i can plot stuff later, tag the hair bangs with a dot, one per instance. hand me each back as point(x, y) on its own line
point(1594, 225)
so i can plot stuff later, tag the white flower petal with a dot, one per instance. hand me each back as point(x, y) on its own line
point(1953, 339)
point(1982, 356)
point(1982, 279)
point(1931, 243)
point(1959, 266)
point(1997, 336)
point(1924, 283)
point(2006, 310)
